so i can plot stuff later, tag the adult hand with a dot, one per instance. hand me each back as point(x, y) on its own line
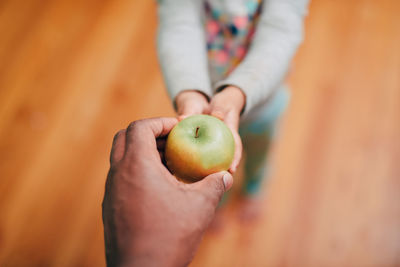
point(150, 218)
point(191, 102)
point(227, 106)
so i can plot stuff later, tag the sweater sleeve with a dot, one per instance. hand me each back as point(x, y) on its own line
point(181, 46)
point(278, 35)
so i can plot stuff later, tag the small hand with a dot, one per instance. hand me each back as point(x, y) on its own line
point(227, 106)
point(150, 218)
point(191, 102)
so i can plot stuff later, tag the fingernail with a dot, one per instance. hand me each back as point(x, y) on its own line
point(228, 181)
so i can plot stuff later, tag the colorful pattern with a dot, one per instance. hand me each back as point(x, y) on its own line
point(229, 36)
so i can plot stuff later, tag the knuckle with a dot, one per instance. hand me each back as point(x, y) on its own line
point(217, 191)
point(137, 126)
point(119, 133)
point(219, 186)
point(133, 125)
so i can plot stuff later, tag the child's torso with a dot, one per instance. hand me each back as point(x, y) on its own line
point(229, 26)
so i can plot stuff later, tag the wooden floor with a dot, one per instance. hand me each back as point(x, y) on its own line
point(72, 73)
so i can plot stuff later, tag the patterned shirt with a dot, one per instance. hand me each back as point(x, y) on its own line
point(229, 35)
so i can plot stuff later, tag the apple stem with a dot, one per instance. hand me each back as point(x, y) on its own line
point(197, 132)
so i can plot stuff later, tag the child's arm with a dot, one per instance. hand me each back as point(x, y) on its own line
point(279, 32)
point(182, 54)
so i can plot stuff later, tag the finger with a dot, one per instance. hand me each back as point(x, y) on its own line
point(232, 121)
point(118, 147)
point(215, 185)
point(238, 152)
point(141, 135)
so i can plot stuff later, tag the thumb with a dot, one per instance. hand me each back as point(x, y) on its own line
point(215, 185)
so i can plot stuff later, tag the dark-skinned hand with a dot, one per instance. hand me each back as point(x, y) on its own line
point(150, 218)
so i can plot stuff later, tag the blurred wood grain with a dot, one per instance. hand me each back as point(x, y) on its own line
point(72, 73)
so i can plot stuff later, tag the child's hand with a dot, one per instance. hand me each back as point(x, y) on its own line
point(227, 106)
point(191, 102)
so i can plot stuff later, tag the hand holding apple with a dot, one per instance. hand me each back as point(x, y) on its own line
point(227, 106)
point(150, 218)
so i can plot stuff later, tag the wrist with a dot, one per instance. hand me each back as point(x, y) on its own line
point(150, 251)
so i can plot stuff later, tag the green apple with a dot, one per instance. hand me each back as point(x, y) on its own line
point(197, 146)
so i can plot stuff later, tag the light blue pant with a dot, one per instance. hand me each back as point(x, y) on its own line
point(257, 134)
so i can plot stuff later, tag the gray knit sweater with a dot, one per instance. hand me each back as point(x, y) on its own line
point(183, 53)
